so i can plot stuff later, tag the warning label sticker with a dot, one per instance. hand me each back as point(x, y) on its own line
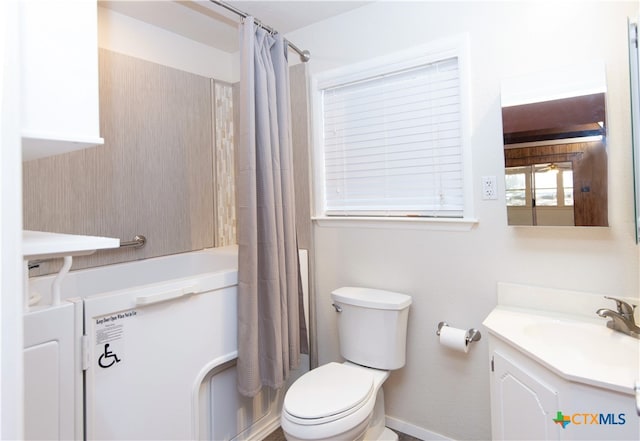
point(110, 334)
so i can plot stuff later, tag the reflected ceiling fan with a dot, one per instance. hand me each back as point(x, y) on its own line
point(552, 166)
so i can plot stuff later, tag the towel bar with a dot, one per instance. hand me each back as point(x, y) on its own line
point(137, 242)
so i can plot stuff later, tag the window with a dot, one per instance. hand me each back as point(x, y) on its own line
point(554, 185)
point(516, 187)
point(393, 137)
point(540, 194)
point(549, 185)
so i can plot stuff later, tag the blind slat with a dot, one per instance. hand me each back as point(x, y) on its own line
point(393, 144)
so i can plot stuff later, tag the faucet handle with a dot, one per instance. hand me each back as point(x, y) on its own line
point(623, 307)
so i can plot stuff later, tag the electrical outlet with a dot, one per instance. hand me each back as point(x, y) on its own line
point(489, 187)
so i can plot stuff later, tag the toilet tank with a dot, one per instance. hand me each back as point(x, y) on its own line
point(372, 326)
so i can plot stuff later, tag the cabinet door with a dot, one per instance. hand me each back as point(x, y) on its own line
point(41, 391)
point(59, 76)
point(52, 410)
point(522, 406)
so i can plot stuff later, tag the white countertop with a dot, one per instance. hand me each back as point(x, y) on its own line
point(574, 347)
point(43, 245)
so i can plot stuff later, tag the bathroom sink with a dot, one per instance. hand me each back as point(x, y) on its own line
point(585, 342)
point(576, 348)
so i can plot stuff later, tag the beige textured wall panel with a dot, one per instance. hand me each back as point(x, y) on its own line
point(302, 182)
point(300, 138)
point(167, 169)
point(225, 189)
point(153, 176)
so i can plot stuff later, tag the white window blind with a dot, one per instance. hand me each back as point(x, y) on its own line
point(393, 144)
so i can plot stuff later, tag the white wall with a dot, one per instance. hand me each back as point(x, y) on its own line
point(452, 275)
point(123, 34)
point(11, 264)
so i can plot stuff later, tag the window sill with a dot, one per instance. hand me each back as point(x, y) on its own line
point(412, 223)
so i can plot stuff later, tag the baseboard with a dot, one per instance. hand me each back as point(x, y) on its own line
point(390, 422)
point(413, 430)
point(266, 427)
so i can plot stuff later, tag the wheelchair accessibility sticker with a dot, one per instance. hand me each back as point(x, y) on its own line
point(108, 358)
point(110, 333)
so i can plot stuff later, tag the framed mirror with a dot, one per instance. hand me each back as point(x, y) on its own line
point(554, 134)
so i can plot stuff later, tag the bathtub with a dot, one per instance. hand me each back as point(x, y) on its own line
point(143, 350)
point(140, 273)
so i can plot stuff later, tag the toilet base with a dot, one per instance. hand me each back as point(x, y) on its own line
point(377, 430)
point(388, 435)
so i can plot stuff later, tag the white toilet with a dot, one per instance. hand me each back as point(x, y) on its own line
point(345, 401)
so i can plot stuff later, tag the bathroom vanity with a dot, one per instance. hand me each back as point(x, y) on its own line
point(557, 375)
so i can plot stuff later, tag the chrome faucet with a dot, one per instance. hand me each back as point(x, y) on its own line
point(622, 320)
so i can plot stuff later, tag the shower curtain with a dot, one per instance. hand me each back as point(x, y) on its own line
point(270, 324)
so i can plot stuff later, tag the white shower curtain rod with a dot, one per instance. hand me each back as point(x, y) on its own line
point(304, 55)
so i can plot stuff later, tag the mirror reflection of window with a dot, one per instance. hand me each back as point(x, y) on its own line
point(519, 194)
point(540, 194)
point(516, 187)
point(554, 185)
point(554, 133)
point(566, 184)
point(546, 186)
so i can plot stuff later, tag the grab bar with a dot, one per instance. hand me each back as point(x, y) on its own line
point(137, 242)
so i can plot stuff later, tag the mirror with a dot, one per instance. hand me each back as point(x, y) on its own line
point(634, 74)
point(554, 134)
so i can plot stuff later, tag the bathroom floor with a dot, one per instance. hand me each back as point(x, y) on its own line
point(277, 435)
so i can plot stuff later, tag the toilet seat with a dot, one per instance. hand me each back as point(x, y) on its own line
point(338, 390)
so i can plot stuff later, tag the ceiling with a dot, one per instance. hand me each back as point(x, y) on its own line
point(574, 117)
point(211, 24)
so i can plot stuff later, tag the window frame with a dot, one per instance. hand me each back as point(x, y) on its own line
point(457, 47)
point(530, 189)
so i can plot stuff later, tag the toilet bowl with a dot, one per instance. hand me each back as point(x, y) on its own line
point(334, 401)
point(345, 401)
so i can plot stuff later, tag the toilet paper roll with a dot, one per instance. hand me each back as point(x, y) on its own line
point(454, 338)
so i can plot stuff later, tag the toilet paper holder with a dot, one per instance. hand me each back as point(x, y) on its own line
point(472, 334)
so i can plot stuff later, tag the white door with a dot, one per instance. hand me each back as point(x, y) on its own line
point(522, 406)
point(147, 363)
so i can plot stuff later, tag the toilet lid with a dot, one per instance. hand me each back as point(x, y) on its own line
point(331, 389)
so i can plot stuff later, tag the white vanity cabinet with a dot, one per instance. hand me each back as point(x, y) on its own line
point(59, 76)
point(522, 402)
point(526, 398)
point(542, 371)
